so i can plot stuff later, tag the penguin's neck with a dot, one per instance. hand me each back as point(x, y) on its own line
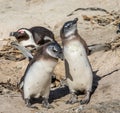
point(70, 38)
point(47, 64)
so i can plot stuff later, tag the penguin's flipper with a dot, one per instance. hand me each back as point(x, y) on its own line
point(99, 47)
point(73, 98)
point(23, 50)
point(46, 104)
point(86, 98)
point(21, 83)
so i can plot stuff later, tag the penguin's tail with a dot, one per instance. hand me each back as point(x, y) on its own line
point(23, 50)
point(99, 47)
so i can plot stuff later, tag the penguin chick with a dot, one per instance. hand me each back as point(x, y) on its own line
point(34, 36)
point(77, 67)
point(37, 77)
point(29, 56)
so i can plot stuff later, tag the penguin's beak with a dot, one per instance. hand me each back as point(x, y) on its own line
point(75, 20)
point(60, 55)
point(15, 34)
point(12, 33)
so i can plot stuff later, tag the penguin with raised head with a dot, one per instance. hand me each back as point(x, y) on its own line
point(77, 66)
point(37, 77)
point(35, 36)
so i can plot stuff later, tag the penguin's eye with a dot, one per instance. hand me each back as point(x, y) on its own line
point(54, 49)
point(68, 25)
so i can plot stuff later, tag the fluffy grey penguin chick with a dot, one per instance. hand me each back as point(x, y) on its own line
point(37, 77)
point(77, 67)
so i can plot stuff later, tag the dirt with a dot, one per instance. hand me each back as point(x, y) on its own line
point(95, 26)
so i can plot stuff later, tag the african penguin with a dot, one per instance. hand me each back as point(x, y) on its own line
point(34, 36)
point(37, 77)
point(29, 56)
point(77, 67)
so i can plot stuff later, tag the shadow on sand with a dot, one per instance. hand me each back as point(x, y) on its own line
point(97, 78)
point(60, 92)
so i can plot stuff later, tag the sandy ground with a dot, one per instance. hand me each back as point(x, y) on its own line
point(15, 14)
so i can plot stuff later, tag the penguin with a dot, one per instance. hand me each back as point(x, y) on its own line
point(78, 70)
point(29, 56)
point(37, 77)
point(33, 37)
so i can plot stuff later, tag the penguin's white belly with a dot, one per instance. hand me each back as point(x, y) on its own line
point(37, 80)
point(79, 67)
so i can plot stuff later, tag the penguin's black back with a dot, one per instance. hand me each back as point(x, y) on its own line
point(39, 33)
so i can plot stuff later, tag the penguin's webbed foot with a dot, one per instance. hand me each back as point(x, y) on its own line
point(86, 99)
point(46, 104)
point(28, 104)
point(73, 99)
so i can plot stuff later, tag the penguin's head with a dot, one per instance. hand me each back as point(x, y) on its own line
point(54, 50)
point(21, 34)
point(69, 28)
